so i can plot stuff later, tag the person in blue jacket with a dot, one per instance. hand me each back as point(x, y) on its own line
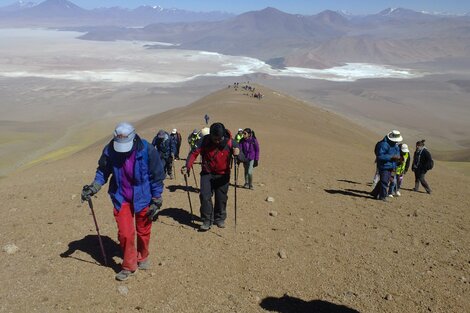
point(135, 188)
point(166, 147)
point(387, 156)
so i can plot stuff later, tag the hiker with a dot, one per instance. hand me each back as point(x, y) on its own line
point(387, 155)
point(193, 138)
point(166, 148)
point(402, 169)
point(422, 162)
point(250, 148)
point(216, 151)
point(239, 135)
point(135, 188)
point(175, 136)
point(206, 118)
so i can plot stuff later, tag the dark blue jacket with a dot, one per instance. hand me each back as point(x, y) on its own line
point(148, 174)
point(165, 146)
point(385, 150)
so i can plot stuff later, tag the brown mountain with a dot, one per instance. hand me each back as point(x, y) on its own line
point(397, 36)
point(342, 251)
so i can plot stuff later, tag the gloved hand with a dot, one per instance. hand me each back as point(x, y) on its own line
point(154, 209)
point(89, 191)
point(185, 171)
point(255, 163)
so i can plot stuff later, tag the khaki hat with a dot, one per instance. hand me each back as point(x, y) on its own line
point(395, 136)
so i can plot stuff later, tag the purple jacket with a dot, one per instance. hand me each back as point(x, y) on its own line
point(250, 148)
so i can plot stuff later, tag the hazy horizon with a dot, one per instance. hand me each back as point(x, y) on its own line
point(295, 6)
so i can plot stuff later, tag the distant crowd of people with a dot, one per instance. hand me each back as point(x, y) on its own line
point(247, 87)
point(392, 163)
point(137, 169)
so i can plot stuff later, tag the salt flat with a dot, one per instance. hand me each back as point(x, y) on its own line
point(60, 93)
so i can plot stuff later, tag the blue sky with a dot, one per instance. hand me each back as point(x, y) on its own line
point(290, 6)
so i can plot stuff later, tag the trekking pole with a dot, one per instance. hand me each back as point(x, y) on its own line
point(195, 180)
point(236, 183)
point(189, 197)
point(174, 171)
point(90, 204)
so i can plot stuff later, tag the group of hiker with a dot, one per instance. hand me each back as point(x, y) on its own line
point(392, 163)
point(248, 88)
point(137, 169)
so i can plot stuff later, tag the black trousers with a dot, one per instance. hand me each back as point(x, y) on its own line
point(217, 185)
point(420, 178)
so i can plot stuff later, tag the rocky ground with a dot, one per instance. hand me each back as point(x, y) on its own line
point(322, 245)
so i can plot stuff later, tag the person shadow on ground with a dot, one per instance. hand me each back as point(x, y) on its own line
point(181, 216)
point(173, 188)
point(90, 245)
point(288, 304)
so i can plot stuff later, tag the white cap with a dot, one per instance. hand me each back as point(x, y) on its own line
point(240, 129)
point(404, 148)
point(205, 131)
point(395, 136)
point(124, 135)
point(173, 131)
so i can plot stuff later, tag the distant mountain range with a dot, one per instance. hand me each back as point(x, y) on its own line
point(65, 13)
point(395, 36)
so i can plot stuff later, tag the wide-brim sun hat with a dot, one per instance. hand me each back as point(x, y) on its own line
point(395, 136)
point(124, 135)
point(404, 148)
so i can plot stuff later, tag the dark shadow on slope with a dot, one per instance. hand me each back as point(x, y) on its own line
point(173, 188)
point(90, 245)
point(349, 181)
point(181, 216)
point(287, 304)
point(358, 191)
point(411, 189)
point(347, 193)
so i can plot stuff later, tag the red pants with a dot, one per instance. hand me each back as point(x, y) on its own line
point(126, 235)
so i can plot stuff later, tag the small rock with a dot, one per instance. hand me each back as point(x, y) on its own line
point(282, 254)
point(123, 290)
point(389, 297)
point(463, 279)
point(162, 263)
point(261, 185)
point(270, 199)
point(257, 299)
point(273, 213)
point(301, 219)
point(73, 196)
point(291, 189)
point(415, 213)
point(10, 248)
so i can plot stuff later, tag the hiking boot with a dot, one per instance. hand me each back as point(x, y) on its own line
point(220, 224)
point(246, 186)
point(398, 194)
point(251, 187)
point(390, 196)
point(205, 227)
point(144, 265)
point(124, 275)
